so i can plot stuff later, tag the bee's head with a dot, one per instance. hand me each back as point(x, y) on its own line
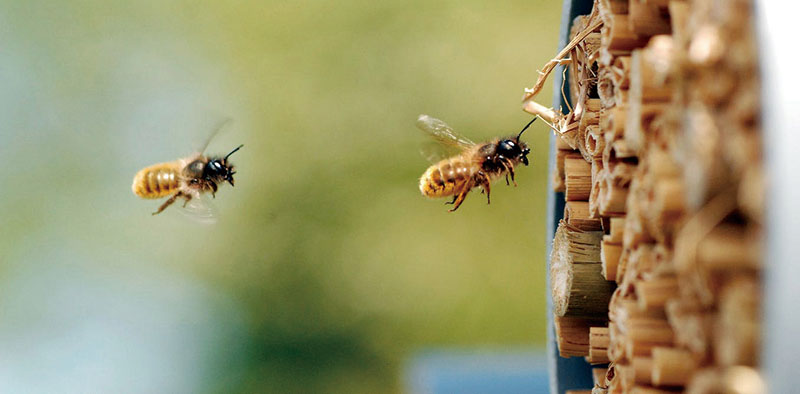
point(513, 148)
point(220, 168)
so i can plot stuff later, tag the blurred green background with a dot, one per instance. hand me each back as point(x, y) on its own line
point(327, 269)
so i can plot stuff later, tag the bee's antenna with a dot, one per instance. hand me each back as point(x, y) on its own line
point(239, 147)
point(524, 128)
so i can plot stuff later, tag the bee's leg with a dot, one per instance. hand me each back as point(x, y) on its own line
point(187, 197)
point(213, 186)
point(168, 203)
point(451, 202)
point(507, 180)
point(510, 169)
point(486, 185)
point(459, 199)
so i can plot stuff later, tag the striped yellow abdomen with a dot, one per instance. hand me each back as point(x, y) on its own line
point(158, 180)
point(446, 178)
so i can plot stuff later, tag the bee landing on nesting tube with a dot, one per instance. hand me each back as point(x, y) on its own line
point(189, 178)
point(478, 165)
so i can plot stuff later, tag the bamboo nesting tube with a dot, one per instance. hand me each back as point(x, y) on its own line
point(634, 332)
point(736, 379)
point(622, 96)
point(597, 356)
point(578, 288)
point(672, 366)
point(667, 198)
point(635, 228)
point(647, 98)
point(691, 325)
point(568, 133)
point(642, 367)
point(664, 266)
point(594, 143)
point(614, 125)
point(605, 87)
point(588, 122)
point(730, 246)
point(655, 292)
point(598, 337)
point(621, 72)
point(642, 262)
point(742, 147)
point(599, 377)
point(609, 256)
point(610, 7)
point(679, 15)
point(561, 144)
point(588, 118)
point(611, 197)
point(662, 5)
point(572, 334)
point(704, 174)
point(594, 195)
point(577, 177)
point(618, 151)
point(620, 161)
point(594, 105)
point(661, 163)
point(617, 227)
point(621, 172)
point(627, 376)
point(616, 35)
point(576, 214)
point(646, 19)
point(576, 246)
point(598, 345)
point(613, 191)
point(752, 193)
point(738, 322)
point(645, 332)
point(559, 185)
point(628, 308)
point(640, 349)
point(639, 122)
point(600, 390)
point(616, 344)
point(611, 248)
point(622, 265)
point(614, 380)
point(644, 256)
point(667, 206)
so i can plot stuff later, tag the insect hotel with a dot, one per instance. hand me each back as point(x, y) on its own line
point(658, 180)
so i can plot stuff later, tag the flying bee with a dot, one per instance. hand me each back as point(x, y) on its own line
point(477, 165)
point(189, 178)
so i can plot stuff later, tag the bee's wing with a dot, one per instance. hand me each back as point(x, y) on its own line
point(446, 142)
point(442, 133)
point(220, 125)
point(200, 209)
point(434, 151)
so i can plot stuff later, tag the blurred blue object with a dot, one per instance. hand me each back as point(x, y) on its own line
point(467, 371)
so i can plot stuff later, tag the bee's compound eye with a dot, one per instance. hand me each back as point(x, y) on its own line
point(216, 167)
point(506, 148)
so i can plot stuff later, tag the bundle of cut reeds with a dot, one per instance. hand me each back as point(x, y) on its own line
point(656, 266)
